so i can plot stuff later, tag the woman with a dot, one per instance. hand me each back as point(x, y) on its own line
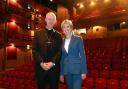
point(73, 61)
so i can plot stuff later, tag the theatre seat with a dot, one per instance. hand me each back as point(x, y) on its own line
point(88, 82)
point(124, 84)
point(112, 84)
point(100, 83)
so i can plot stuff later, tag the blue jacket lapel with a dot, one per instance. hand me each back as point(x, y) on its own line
point(71, 43)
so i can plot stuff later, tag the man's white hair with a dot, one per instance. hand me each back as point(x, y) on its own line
point(51, 13)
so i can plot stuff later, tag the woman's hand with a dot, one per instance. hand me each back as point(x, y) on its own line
point(62, 78)
point(83, 76)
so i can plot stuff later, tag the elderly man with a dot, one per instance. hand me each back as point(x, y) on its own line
point(47, 52)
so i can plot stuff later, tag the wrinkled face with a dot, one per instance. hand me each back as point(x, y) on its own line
point(50, 21)
point(67, 29)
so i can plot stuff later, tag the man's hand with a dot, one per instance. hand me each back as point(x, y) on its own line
point(47, 66)
point(44, 66)
point(50, 64)
point(61, 78)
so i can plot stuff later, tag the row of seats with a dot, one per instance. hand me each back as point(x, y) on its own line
point(26, 67)
point(88, 83)
point(111, 43)
point(102, 83)
point(107, 66)
point(19, 74)
point(19, 83)
point(16, 83)
point(120, 75)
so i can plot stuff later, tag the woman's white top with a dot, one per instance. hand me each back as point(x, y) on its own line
point(66, 44)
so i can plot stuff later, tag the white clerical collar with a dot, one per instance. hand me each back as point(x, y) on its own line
point(48, 28)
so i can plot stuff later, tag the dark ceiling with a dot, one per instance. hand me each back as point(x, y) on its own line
point(114, 11)
point(53, 5)
point(48, 3)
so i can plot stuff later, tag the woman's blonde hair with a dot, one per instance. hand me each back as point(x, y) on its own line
point(67, 22)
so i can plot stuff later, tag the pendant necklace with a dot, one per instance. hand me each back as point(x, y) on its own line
point(48, 36)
